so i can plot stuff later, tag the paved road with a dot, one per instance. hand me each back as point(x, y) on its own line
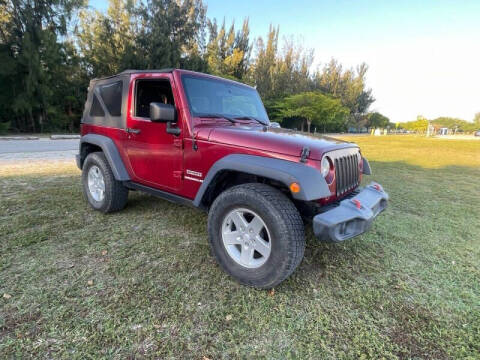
point(42, 149)
point(34, 146)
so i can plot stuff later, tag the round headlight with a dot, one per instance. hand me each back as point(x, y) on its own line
point(325, 166)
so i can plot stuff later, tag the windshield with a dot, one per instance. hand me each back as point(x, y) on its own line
point(210, 96)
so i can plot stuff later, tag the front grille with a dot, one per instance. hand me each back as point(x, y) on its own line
point(346, 173)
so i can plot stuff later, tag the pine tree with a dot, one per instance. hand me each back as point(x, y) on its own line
point(107, 41)
point(264, 64)
point(228, 52)
point(31, 51)
point(170, 31)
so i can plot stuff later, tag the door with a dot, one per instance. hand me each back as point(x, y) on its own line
point(155, 156)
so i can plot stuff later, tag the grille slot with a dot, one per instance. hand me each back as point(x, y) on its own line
point(346, 173)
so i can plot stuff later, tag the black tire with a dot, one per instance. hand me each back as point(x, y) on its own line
point(116, 195)
point(284, 224)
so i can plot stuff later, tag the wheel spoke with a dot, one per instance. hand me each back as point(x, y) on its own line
point(256, 226)
point(262, 246)
point(232, 238)
point(239, 220)
point(96, 183)
point(101, 184)
point(247, 254)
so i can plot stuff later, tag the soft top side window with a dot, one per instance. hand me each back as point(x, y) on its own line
point(112, 97)
point(148, 91)
point(96, 109)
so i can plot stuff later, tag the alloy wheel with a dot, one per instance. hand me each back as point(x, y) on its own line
point(96, 183)
point(246, 238)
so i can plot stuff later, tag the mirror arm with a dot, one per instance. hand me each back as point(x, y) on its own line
point(172, 130)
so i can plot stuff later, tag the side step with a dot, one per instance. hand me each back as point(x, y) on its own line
point(159, 193)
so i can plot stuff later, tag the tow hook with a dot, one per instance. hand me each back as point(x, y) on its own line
point(357, 203)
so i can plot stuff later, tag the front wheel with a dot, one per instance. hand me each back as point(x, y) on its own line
point(256, 234)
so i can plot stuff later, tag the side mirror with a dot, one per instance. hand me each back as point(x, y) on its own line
point(160, 112)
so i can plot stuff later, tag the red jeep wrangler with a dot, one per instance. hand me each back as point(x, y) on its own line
point(207, 142)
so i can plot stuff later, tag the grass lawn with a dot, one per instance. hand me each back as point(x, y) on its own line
point(75, 283)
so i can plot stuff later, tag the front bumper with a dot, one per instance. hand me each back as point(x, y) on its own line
point(352, 217)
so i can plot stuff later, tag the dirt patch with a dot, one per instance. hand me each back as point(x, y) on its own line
point(412, 322)
point(14, 321)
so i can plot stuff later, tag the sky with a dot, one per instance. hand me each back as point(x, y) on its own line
point(423, 56)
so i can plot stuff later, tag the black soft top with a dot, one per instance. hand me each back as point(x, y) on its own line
point(133, 71)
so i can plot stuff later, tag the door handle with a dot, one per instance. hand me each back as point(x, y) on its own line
point(133, 131)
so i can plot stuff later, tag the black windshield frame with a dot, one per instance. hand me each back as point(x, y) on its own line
point(254, 97)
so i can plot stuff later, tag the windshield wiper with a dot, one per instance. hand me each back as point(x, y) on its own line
point(251, 118)
point(217, 116)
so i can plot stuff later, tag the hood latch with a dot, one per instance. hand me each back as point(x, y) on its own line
point(304, 154)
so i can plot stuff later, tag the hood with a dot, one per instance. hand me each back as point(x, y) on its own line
point(281, 141)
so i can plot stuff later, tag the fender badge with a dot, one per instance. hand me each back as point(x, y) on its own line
point(194, 173)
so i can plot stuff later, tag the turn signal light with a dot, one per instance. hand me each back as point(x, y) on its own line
point(294, 187)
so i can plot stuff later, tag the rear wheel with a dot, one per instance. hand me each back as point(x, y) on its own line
point(100, 188)
point(256, 234)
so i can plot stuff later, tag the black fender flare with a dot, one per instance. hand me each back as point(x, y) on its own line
point(111, 153)
point(312, 184)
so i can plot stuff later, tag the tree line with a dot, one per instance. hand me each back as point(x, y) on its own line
point(50, 49)
point(421, 124)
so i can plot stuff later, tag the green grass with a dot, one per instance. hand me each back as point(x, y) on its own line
point(141, 283)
